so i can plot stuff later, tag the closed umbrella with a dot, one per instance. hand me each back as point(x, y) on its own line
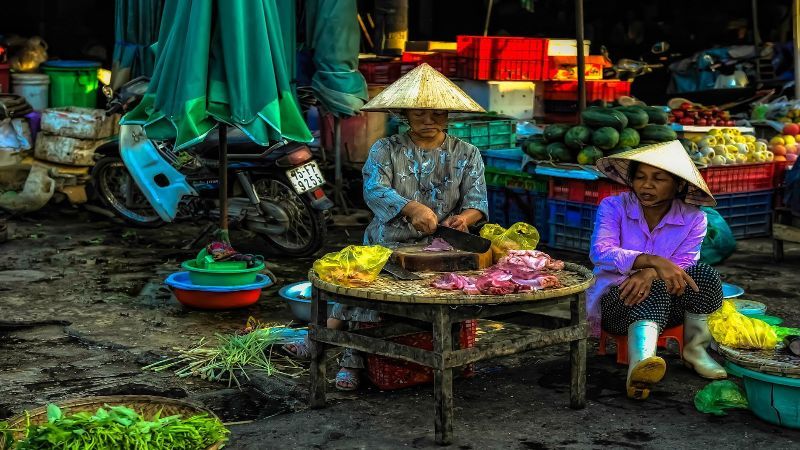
point(136, 24)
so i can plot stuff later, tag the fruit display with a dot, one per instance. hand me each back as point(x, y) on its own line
point(692, 114)
point(786, 146)
point(604, 131)
point(726, 146)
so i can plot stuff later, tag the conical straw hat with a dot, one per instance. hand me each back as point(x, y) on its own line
point(423, 88)
point(667, 156)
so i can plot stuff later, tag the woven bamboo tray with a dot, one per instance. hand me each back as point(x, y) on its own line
point(574, 279)
point(774, 362)
point(146, 405)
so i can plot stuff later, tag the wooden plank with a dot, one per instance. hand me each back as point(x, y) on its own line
point(463, 312)
point(785, 233)
point(373, 345)
point(443, 376)
point(512, 346)
point(397, 309)
point(532, 319)
point(319, 318)
point(577, 355)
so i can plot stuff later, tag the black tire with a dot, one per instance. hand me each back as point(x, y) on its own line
point(109, 178)
point(307, 225)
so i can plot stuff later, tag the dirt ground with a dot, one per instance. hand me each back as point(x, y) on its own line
point(83, 308)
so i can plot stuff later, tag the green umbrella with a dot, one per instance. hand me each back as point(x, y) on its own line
point(135, 30)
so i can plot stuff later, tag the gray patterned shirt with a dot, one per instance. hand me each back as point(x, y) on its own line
point(448, 179)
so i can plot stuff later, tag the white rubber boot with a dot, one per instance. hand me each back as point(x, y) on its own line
point(644, 368)
point(696, 338)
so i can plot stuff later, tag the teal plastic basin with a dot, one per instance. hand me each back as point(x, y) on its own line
point(223, 275)
point(772, 398)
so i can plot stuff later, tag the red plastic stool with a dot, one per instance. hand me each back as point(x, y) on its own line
point(675, 333)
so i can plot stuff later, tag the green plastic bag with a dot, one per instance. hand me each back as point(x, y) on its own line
point(718, 396)
point(719, 242)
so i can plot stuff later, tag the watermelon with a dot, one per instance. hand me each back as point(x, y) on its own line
point(559, 152)
point(578, 137)
point(556, 132)
point(656, 115)
point(605, 138)
point(536, 150)
point(637, 117)
point(589, 155)
point(603, 117)
point(628, 138)
point(657, 133)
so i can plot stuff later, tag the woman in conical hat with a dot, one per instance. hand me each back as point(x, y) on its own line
point(414, 182)
point(645, 248)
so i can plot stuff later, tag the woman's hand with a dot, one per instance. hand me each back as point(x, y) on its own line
point(457, 222)
point(676, 279)
point(422, 218)
point(636, 288)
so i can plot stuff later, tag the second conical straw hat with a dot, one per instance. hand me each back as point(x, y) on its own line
point(423, 88)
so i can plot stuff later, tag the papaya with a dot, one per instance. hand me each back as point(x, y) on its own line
point(656, 115)
point(589, 155)
point(578, 137)
point(605, 138)
point(637, 117)
point(559, 152)
point(536, 150)
point(628, 138)
point(556, 132)
point(657, 133)
point(603, 117)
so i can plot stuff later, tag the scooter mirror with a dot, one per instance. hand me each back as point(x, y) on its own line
point(660, 47)
point(108, 91)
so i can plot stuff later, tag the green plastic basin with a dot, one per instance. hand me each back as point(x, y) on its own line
point(772, 398)
point(220, 274)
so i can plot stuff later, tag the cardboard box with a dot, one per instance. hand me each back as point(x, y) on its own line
point(566, 47)
point(511, 98)
point(358, 132)
point(566, 67)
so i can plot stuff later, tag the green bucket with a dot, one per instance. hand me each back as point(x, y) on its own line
point(221, 274)
point(72, 83)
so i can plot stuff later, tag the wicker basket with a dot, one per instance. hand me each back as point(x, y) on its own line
point(146, 405)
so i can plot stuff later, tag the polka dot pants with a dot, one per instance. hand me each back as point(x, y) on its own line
point(662, 307)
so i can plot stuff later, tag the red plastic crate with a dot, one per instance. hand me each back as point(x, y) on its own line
point(502, 69)
point(446, 63)
point(583, 191)
point(739, 178)
point(5, 86)
point(384, 72)
point(389, 373)
point(606, 90)
point(502, 47)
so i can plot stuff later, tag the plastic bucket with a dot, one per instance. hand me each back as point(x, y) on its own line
point(72, 83)
point(209, 277)
point(32, 86)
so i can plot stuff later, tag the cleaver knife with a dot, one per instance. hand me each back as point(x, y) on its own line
point(460, 240)
point(400, 273)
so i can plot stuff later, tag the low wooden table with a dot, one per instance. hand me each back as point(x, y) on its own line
point(414, 306)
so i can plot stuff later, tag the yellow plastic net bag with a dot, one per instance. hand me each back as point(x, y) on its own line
point(520, 236)
point(733, 329)
point(353, 266)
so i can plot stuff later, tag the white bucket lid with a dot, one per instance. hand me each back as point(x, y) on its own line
point(30, 78)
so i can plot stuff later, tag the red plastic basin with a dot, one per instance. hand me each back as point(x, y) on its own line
point(217, 300)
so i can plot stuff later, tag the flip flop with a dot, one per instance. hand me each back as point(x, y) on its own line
point(352, 378)
point(301, 350)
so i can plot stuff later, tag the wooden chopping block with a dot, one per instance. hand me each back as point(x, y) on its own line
point(413, 258)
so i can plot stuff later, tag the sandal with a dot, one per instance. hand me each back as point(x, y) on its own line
point(299, 350)
point(347, 379)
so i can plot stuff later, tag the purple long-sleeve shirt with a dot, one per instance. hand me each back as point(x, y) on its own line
point(621, 234)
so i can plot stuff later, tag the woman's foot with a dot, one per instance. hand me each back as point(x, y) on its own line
point(298, 350)
point(348, 379)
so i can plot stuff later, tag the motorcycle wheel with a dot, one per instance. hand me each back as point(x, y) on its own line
point(117, 191)
point(307, 229)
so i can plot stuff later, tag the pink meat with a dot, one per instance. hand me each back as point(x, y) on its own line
point(438, 245)
point(541, 281)
point(532, 260)
point(453, 282)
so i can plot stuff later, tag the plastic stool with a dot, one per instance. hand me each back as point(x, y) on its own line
point(675, 333)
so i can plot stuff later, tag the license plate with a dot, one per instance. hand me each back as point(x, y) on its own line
point(306, 177)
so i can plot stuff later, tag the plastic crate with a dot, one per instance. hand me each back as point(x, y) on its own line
point(508, 205)
point(389, 373)
point(515, 179)
point(502, 47)
point(571, 225)
point(502, 69)
point(749, 214)
point(739, 178)
point(509, 159)
point(384, 72)
point(485, 134)
point(446, 63)
point(583, 191)
point(606, 90)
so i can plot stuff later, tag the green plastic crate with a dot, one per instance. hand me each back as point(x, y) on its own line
point(485, 134)
point(510, 179)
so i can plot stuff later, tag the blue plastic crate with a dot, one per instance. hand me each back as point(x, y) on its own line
point(508, 206)
point(503, 159)
point(749, 214)
point(571, 225)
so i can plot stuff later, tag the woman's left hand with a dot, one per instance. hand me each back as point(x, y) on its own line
point(637, 287)
point(457, 222)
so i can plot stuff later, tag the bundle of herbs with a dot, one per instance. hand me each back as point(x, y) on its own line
point(117, 428)
point(235, 353)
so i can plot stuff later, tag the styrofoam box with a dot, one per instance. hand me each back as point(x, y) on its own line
point(566, 47)
point(511, 98)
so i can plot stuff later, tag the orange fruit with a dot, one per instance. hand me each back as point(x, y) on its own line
point(778, 150)
point(777, 140)
point(779, 158)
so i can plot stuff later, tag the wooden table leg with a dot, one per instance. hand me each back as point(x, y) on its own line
point(577, 355)
point(319, 313)
point(442, 378)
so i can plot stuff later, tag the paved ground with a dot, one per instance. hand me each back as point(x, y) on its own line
point(82, 310)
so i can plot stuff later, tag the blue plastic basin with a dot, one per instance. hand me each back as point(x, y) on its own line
point(772, 398)
point(298, 298)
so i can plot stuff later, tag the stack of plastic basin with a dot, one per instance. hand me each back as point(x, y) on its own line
point(210, 284)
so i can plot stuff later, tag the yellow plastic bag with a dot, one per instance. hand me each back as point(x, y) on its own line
point(353, 266)
point(733, 329)
point(520, 236)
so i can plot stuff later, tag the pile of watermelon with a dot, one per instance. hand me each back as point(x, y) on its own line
point(604, 131)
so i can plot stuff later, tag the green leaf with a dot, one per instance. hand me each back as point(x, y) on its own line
point(53, 413)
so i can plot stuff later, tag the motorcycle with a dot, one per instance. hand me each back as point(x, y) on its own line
point(278, 196)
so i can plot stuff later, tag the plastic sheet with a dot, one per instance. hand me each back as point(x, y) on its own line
point(719, 242)
point(353, 266)
point(718, 396)
point(733, 329)
point(520, 236)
